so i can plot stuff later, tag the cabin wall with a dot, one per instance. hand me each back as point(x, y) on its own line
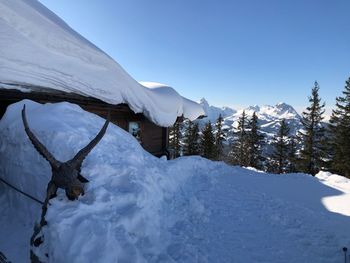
point(154, 139)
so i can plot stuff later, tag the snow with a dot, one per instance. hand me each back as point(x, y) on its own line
point(213, 112)
point(38, 49)
point(266, 113)
point(337, 204)
point(138, 208)
point(269, 115)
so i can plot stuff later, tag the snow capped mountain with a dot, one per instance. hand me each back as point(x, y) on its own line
point(280, 110)
point(213, 112)
point(269, 117)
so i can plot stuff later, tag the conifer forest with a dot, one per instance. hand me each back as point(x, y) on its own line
point(318, 145)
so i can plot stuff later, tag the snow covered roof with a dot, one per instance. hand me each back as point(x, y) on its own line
point(37, 48)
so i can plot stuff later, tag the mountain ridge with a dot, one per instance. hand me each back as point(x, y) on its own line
point(269, 118)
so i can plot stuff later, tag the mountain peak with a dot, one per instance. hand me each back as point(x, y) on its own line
point(213, 112)
point(282, 105)
point(204, 102)
point(254, 108)
point(285, 108)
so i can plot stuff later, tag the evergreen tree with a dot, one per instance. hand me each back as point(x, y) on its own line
point(175, 138)
point(187, 147)
point(279, 158)
point(292, 155)
point(208, 142)
point(312, 152)
point(238, 154)
point(220, 137)
point(195, 140)
point(255, 142)
point(340, 134)
point(191, 139)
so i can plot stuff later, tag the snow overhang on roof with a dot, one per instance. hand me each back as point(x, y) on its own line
point(38, 48)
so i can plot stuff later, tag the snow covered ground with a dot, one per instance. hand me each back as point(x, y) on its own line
point(138, 208)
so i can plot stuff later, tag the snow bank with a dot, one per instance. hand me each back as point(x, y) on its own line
point(138, 208)
point(337, 204)
point(37, 48)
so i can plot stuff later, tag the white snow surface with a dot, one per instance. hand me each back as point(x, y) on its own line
point(138, 208)
point(37, 48)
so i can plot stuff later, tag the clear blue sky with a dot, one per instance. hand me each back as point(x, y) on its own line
point(236, 53)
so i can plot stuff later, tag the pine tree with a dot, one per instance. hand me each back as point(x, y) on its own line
point(191, 139)
point(292, 155)
point(208, 142)
point(195, 140)
point(279, 158)
point(255, 141)
point(175, 139)
point(340, 134)
point(238, 153)
point(312, 152)
point(220, 137)
point(187, 147)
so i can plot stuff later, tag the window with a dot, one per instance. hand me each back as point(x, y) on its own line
point(135, 130)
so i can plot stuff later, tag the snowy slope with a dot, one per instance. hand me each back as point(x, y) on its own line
point(37, 48)
point(138, 208)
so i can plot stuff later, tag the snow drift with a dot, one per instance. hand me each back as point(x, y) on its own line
point(138, 208)
point(37, 48)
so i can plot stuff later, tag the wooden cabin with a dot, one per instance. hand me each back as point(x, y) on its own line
point(153, 138)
